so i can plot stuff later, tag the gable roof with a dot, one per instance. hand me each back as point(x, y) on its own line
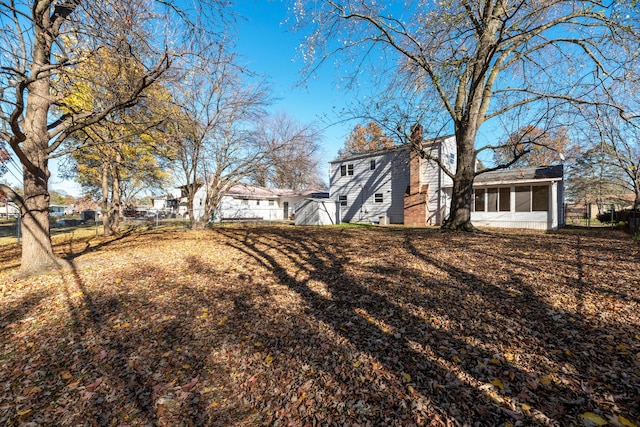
point(521, 174)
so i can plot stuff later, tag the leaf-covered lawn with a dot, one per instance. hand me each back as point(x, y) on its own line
point(326, 326)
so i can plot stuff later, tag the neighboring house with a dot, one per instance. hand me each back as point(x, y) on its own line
point(398, 186)
point(60, 210)
point(84, 204)
point(167, 203)
point(7, 207)
point(577, 211)
point(244, 201)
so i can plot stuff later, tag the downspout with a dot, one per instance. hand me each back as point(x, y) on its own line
point(362, 187)
point(439, 219)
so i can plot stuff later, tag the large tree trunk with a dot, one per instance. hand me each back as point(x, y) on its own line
point(460, 210)
point(37, 250)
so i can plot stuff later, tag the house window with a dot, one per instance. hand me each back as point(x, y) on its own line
point(343, 170)
point(378, 197)
point(350, 169)
point(523, 199)
point(492, 199)
point(373, 164)
point(343, 200)
point(452, 158)
point(505, 199)
point(244, 202)
point(257, 202)
point(271, 202)
point(479, 200)
point(540, 198)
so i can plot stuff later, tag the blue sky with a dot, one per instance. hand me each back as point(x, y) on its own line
point(269, 48)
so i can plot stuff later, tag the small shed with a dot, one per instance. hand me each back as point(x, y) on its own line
point(88, 215)
point(318, 211)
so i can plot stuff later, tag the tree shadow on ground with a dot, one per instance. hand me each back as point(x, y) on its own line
point(290, 326)
point(456, 365)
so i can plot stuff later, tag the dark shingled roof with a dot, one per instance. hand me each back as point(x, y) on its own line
point(529, 173)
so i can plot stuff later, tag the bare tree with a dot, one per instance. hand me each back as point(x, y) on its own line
point(291, 159)
point(474, 62)
point(535, 147)
point(215, 144)
point(592, 178)
point(43, 42)
point(619, 142)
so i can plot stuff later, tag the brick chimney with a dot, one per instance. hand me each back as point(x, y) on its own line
point(415, 198)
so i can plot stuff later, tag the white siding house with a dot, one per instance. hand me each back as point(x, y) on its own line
point(370, 186)
point(247, 202)
point(375, 186)
point(438, 184)
point(530, 197)
point(9, 209)
point(400, 186)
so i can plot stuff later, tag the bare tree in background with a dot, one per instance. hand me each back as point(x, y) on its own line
point(212, 126)
point(533, 146)
point(473, 62)
point(42, 42)
point(619, 142)
point(292, 159)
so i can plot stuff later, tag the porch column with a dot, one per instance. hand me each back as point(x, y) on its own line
point(553, 203)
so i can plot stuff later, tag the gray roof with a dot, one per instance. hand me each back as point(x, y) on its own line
point(521, 174)
point(252, 191)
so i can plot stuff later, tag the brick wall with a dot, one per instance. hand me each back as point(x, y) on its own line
point(415, 200)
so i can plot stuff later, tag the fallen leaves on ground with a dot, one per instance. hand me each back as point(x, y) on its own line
point(326, 326)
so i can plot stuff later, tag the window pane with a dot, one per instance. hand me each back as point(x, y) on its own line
point(479, 200)
point(540, 196)
point(343, 170)
point(505, 199)
point(378, 197)
point(523, 199)
point(350, 169)
point(343, 200)
point(373, 164)
point(492, 199)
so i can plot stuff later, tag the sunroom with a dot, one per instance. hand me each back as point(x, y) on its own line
point(519, 198)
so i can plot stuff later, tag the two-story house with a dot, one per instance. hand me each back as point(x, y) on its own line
point(398, 186)
point(394, 185)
